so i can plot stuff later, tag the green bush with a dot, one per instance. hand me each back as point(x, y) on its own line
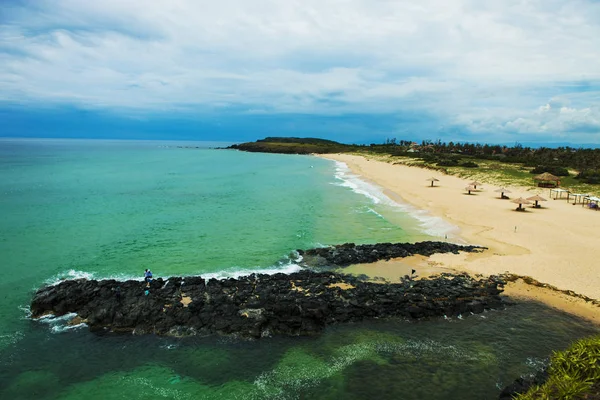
point(469, 164)
point(448, 163)
point(429, 158)
point(589, 176)
point(572, 373)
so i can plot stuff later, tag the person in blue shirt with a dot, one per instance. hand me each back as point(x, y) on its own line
point(148, 277)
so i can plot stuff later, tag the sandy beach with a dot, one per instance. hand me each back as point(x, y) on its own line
point(556, 244)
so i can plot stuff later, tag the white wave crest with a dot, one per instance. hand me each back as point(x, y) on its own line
point(432, 225)
point(52, 319)
point(370, 210)
point(26, 312)
point(66, 328)
point(349, 180)
point(236, 273)
point(429, 224)
point(69, 275)
point(75, 274)
point(60, 324)
point(287, 265)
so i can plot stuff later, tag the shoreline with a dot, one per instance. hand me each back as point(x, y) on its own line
point(390, 271)
point(556, 244)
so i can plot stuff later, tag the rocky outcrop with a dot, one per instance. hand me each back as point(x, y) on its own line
point(523, 384)
point(301, 303)
point(350, 253)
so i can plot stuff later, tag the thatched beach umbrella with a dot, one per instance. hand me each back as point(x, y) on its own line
point(469, 189)
point(521, 201)
point(474, 184)
point(432, 180)
point(536, 198)
point(546, 178)
point(502, 190)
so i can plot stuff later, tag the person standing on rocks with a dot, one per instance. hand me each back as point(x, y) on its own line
point(148, 277)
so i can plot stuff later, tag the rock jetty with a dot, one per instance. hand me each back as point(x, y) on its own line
point(350, 253)
point(258, 305)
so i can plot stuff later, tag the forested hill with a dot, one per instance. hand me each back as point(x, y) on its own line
point(298, 140)
point(293, 145)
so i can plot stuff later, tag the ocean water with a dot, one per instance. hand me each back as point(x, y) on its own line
point(110, 209)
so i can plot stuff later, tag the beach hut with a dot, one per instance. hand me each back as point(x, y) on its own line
point(469, 189)
point(502, 190)
point(520, 201)
point(432, 180)
point(547, 180)
point(474, 184)
point(537, 199)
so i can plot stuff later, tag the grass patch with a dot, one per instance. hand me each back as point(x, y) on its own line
point(493, 173)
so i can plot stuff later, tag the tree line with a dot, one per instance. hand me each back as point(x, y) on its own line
point(542, 159)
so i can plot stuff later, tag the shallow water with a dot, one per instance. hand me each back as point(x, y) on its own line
point(468, 358)
point(102, 209)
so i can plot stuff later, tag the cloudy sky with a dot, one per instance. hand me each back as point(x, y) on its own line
point(496, 71)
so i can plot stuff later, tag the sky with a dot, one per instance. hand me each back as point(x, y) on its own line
point(356, 71)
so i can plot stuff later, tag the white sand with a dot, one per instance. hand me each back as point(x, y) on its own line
point(558, 244)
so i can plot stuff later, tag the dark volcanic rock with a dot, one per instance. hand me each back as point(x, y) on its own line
point(349, 253)
point(302, 303)
point(522, 385)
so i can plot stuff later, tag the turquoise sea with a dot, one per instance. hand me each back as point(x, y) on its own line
point(110, 209)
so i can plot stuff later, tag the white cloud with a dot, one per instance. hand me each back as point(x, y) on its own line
point(549, 122)
point(482, 64)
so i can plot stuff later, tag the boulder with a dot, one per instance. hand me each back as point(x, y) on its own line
point(350, 253)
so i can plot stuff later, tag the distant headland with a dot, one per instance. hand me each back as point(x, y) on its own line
point(559, 161)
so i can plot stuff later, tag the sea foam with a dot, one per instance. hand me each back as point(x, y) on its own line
point(429, 224)
point(238, 272)
point(73, 274)
point(287, 265)
point(284, 382)
point(10, 339)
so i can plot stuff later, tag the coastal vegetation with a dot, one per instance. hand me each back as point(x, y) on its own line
point(293, 146)
point(573, 373)
point(578, 168)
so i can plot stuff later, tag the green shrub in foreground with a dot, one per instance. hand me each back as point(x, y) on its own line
point(572, 372)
